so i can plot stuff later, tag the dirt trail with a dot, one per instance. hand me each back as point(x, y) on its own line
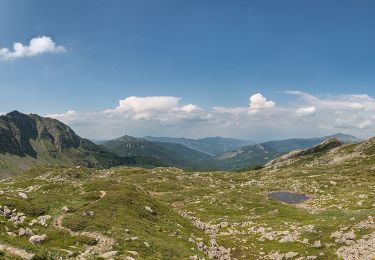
point(16, 251)
point(104, 243)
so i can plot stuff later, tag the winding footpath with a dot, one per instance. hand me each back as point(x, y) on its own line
point(104, 243)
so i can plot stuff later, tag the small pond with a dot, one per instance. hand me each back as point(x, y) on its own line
point(288, 197)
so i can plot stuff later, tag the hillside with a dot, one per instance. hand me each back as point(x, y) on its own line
point(289, 158)
point(28, 140)
point(166, 213)
point(171, 154)
point(209, 145)
point(260, 154)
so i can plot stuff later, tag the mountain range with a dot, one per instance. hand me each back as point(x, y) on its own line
point(28, 140)
point(210, 145)
point(173, 154)
point(259, 154)
point(314, 203)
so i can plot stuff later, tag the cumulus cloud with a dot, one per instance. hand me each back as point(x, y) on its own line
point(37, 46)
point(169, 115)
point(258, 101)
point(306, 111)
point(190, 108)
point(67, 117)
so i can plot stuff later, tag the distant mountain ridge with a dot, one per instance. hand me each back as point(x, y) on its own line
point(172, 154)
point(28, 140)
point(210, 145)
point(260, 154)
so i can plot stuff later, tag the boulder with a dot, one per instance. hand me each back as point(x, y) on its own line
point(290, 255)
point(22, 195)
point(108, 255)
point(317, 244)
point(36, 239)
point(42, 220)
point(65, 209)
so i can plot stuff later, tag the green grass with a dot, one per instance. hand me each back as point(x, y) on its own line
point(238, 198)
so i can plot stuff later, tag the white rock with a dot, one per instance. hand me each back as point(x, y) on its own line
point(135, 253)
point(290, 255)
point(22, 195)
point(149, 209)
point(109, 254)
point(317, 244)
point(36, 239)
point(65, 209)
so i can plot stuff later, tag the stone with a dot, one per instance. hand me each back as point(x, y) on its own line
point(36, 239)
point(290, 255)
point(135, 253)
point(42, 220)
point(317, 244)
point(108, 255)
point(21, 232)
point(65, 209)
point(29, 232)
point(22, 195)
point(149, 209)
point(33, 222)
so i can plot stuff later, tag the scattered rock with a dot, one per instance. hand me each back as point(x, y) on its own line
point(150, 210)
point(317, 244)
point(110, 254)
point(33, 222)
point(135, 253)
point(36, 239)
point(361, 249)
point(42, 220)
point(290, 255)
point(22, 195)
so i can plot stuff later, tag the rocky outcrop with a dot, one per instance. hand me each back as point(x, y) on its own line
point(289, 157)
point(214, 250)
point(362, 249)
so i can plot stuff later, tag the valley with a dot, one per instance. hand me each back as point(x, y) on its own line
point(168, 213)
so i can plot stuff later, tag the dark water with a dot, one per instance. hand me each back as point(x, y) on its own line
point(288, 197)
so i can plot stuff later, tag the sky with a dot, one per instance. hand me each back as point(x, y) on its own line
point(256, 70)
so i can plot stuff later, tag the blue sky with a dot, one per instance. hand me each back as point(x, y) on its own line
point(208, 53)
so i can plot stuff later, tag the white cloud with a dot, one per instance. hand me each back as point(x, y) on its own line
point(305, 111)
point(231, 110)
point(67, 117)
point(37, 46)
point(140, 104)
point(348, 101)
point(167, 115)
point(258, 101)
point(190, 108)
